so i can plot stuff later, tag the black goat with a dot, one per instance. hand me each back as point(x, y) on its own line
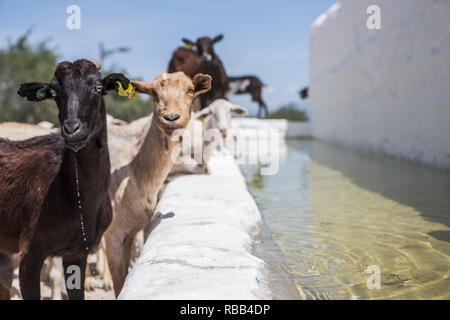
point(54, 197)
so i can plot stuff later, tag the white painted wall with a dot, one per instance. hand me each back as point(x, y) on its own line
point(384, 90)
point(287, 129)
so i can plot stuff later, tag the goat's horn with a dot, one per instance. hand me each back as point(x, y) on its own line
point(96, 62)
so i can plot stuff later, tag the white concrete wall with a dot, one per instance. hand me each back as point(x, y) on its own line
point(201, 246)
point(384, 90)
point(298, 129)
point(288, 129)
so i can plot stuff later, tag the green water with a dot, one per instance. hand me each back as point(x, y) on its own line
point(333, 212)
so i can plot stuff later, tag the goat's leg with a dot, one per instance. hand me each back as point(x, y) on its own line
point(265, 108)
point(138, 244)
point(52, 276)
point(30, 275)
point(255, 99)
point(102, 265)
point(107, 277)
point(75, 287)
point(90, 281)
point(114, 253)
point(4, 293)
point(207, 148)
point(260, 108)
point(56, 279)
point(92, 271)
point(101, 258)
point(6, 275)
point(262, 105)
point(127, 247)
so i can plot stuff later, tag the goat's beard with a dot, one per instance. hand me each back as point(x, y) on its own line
point(169, 129)
point(77, 146)
point(80, 144)
point(172, 132)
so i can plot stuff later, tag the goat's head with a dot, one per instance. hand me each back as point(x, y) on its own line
point(78, 90)
point(204, 47)
point(172, 95)
point(219, 113)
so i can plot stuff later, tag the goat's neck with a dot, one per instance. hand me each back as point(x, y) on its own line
point(153, 162)
point(93, 167)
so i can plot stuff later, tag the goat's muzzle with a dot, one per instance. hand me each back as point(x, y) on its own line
point(74, 135)
point(206, 57)
point(71, 126)
point(171, 117)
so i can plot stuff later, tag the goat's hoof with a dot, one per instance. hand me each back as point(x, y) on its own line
point(89, 284)
point(205, 169)
point(107, 284)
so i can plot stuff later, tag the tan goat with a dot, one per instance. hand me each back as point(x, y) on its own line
point(134, 187)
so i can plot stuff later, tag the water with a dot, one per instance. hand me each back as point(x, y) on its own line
point(334, 212)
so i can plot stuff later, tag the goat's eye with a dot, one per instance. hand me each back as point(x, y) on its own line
point(99, 88)
point(53, 93)
point(190, 91)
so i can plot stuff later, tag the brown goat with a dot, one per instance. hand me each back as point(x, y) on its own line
point(202, 60)
point(54, 188)
point(251, 85)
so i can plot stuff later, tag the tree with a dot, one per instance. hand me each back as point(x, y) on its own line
point(124, 108)
point(22, 62)
point(289, 112)
point(128, 109)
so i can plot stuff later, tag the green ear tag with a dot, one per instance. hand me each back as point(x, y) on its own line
point(40, 94)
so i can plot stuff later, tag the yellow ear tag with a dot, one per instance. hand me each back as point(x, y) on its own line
point(130, 92)
point(188, 46)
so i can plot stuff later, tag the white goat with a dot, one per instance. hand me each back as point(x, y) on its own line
point(217, 123)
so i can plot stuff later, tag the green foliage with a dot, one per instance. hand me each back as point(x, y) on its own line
point(22, 62)
point(125, 108)
point(289, 112)
point(128, 109)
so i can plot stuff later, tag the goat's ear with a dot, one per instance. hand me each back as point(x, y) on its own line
point(202, 114)
point(239, 110)
point(110, 82)
point(143, 87)
point(35, 91)
point(218, 38)
point(202, 83)
point(189, 44)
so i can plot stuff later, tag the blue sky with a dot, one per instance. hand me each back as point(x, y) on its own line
point(267, 38)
